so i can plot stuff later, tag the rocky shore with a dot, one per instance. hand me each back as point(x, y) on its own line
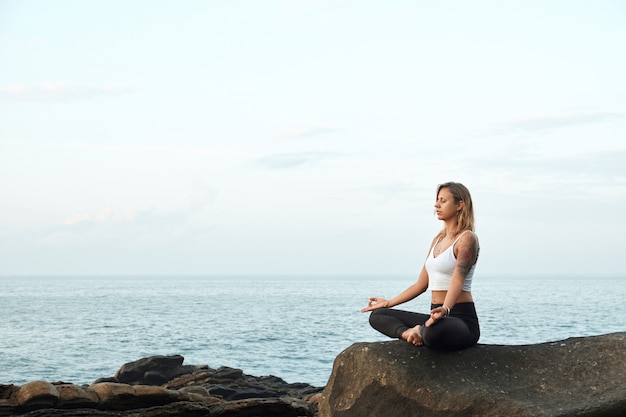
point(163, 386)
point(576, 377)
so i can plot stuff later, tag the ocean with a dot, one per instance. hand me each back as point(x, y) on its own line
point(77, 329)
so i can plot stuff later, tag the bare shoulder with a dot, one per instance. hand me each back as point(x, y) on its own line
point(468, 238)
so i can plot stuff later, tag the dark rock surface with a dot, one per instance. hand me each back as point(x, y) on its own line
point(574, 377)
point(154, 370)
point(162, 386)
point(232, 384)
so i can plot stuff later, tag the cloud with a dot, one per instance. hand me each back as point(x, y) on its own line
point(599, 164)
point(294, 160)
point(402, 191)
point(589, 175)
point(295, 9)
point(138, 227)
point(203, 195)
point(132, 148)
point(543, 123)
point(106, 215)
point(304, 132)
point(59, 91)
point(129, 227)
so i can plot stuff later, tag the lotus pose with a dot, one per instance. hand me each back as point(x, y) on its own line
point(449, 268)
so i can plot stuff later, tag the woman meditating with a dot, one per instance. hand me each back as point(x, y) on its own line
point(449, 268)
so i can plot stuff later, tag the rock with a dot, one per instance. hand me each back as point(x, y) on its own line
point(232, 384)
point(154, 370)
point(266, 407)
point(191, 391)
point(274, 407)
point(580, 377)
point(74, 396)
point(36, 394)
point(113, 396)
point(151, 396)
point(179, 409)
point(198, 394)
point(79, 412)
point(107, 379)
point(8, 403)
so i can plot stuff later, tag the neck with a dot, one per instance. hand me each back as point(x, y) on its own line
point(450, 227)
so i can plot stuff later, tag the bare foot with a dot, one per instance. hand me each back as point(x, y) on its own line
point(413, 335)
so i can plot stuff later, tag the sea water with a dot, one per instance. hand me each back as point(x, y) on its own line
point(77, 329)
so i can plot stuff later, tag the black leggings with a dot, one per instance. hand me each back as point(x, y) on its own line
point(458, 331)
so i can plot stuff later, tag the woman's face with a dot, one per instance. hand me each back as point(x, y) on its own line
point(445, 206)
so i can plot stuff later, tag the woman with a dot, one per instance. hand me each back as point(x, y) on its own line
point(449, 268)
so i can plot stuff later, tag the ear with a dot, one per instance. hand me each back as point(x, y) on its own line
point(460, 205)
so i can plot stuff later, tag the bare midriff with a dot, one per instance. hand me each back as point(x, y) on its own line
point(438, 297)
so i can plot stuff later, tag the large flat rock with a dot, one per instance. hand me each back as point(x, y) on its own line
point(583, 376)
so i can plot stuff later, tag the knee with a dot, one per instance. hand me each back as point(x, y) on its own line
point(376, 315)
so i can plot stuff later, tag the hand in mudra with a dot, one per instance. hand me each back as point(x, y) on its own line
point(436, 314)
point(375, 303)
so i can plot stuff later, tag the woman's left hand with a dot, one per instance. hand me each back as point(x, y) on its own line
point(436, 314)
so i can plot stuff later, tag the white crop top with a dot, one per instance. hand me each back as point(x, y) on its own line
point(440, 269)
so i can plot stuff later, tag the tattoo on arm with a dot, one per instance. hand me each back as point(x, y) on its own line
point(467, 252)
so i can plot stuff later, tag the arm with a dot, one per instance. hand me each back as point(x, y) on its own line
point(466, 252)
point(410, 293)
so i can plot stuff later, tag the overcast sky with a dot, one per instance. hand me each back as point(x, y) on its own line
point(308, 137)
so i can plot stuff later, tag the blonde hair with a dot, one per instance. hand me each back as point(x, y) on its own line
point(466, 214)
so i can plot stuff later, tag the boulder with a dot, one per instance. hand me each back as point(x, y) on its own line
point(75, 396)
point(581, 377)
point(37, 394)
point(114, 396)
point(153, 370)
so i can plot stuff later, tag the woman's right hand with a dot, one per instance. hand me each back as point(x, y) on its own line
point(374, 304)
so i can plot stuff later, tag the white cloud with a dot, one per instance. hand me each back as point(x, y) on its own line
point(556, 121)
point(106, 215)
point(302, 132)
point(128, 228)
point(295, 159)
point(61, 91)
point(404, 191)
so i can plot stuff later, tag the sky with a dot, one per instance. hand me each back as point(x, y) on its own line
point(301, 137)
